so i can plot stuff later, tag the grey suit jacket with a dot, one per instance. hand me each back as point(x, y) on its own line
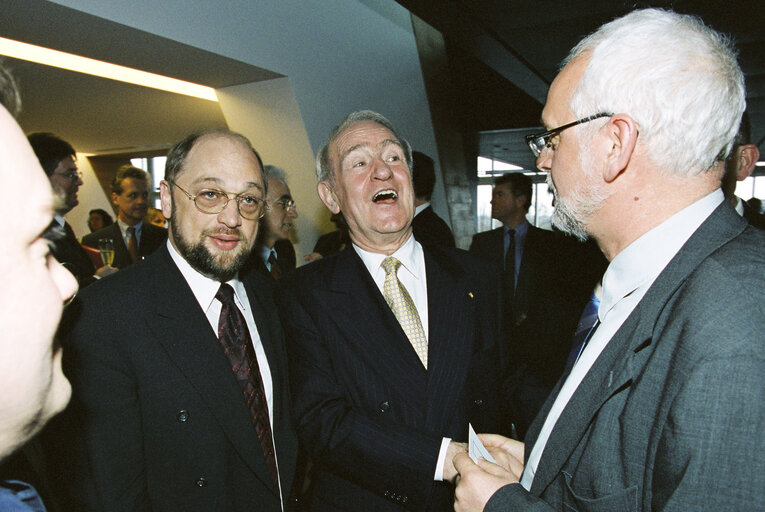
point(152, 237)
point(160, 421)
point(671, 415)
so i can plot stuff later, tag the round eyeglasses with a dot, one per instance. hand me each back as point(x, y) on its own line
point(214, 201)
point(286, 204)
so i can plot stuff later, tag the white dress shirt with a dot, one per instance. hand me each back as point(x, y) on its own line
point(626, 281)
point(411, 273)
point(125, 235)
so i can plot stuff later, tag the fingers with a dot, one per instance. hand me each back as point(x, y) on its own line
point(510, 446)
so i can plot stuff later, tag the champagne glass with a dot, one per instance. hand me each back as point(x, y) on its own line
point(106, 248)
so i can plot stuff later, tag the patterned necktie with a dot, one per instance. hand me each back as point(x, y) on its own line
point(235, 339)
point(403, 308)
point(132, 244)
point(588, 322)
point(276, 270)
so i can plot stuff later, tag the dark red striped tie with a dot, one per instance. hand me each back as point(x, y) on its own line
point(235, 339)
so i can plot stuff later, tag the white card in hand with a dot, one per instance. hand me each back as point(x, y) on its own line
point(476, 448)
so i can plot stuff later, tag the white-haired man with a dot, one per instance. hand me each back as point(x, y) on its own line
point(663, 409)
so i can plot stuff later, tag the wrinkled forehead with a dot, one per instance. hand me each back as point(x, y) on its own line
point(20, 172)
point(362, 134)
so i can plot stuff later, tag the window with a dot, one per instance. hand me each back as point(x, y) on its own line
point(155, 166)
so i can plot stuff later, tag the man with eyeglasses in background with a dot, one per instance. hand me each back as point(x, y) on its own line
point(274, 254)
point(663, 409)
point(178, 363)
point(57, 158)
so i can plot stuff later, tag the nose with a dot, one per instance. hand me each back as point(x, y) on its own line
point(230, 215)
point(381, 169)
point(544, 160)
point(292, 212)
point(63, 279)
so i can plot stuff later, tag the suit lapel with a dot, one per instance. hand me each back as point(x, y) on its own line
point(183, 330)
point(451, 323)
point(372, 329)
point(628, 350)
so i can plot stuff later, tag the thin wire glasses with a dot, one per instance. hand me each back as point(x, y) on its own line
point(71, 175)
point(538, 142)
point(215, 201)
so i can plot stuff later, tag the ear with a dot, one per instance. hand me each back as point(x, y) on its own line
point(327, 196)
point(165, 198)
point(114, 199)
point(748, 154)
point(622, 133)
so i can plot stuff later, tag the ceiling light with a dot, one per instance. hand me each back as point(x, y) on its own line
point(71, 62)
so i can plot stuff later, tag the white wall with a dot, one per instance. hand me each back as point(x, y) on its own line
point(267, 113)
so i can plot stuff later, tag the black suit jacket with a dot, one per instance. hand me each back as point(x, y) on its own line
point(68, 251)
point(430, 229)
point(754, 218)
point(556, 278)
point(152, 237)
point(372, 417)
point(671, 414)
point(160, 419)
point(285, 255)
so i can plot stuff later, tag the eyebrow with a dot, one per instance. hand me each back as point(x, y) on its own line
point(217, 181)
point(381, 145)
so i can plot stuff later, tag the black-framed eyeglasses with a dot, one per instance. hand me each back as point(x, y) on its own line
point(538, 142)
point(287, 204)
point(214, 201)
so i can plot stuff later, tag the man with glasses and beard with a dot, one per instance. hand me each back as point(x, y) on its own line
point(662, 407)
point(178, 366)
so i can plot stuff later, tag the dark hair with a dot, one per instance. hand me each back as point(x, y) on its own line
point(176, 157)
point(9, 93)
point(520, 185)
point(128, 171)
point(423, 175)
point(105, 216)
point(744, 135)
point(50, 150)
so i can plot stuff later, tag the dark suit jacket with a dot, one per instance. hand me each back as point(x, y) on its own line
point(68, 251)
point(330, 243)
point(365, 408)
point(430, 229)
point(756, 219)
point(671, 415)
point(161, 419)
point(152, 237)
point(285, 255)
point(556, 278)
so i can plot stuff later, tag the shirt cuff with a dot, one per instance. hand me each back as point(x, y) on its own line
point(439, 476)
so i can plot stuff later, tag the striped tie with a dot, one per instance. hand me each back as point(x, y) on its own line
point(401, 304)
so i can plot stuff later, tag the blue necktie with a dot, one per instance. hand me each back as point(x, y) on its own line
point(588, 322)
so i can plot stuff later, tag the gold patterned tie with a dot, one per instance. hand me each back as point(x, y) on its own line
point(403, 307)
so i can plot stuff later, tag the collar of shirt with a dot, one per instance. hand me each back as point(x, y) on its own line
point(204, 288)
point(739, 206)
point(644, 259)
point(411, 274)
point(520, 230)
point(420, 208)
point(264, 252)
point(59, 219)
point(124, 227)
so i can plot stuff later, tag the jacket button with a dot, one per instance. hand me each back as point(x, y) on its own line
point(478, 401)
point(201, 481)
point(384, 406)
point(182, 415)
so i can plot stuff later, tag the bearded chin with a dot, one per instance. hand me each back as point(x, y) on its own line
point(570, 214)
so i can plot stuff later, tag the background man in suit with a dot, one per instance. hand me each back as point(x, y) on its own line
point(274, 254)
point(738, 167)
point(34, 289)
point(162, 420)
point(393, 346)
point(428, 227)
point(546, 282)
point(57, 158)
point(132, 237)
point(663, 409)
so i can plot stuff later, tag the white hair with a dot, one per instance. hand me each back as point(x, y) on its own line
point(676, 77)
